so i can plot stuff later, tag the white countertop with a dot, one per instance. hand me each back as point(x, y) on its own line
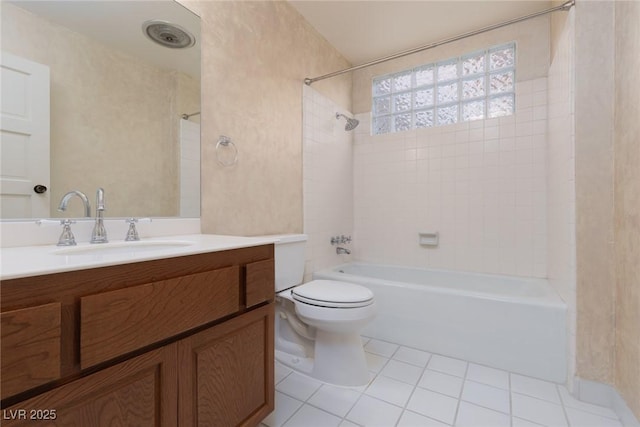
point(28, 261)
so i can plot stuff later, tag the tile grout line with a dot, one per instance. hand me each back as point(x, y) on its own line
point(404, 408)
point(564, 409)
point(464, 380)
point(510, 400)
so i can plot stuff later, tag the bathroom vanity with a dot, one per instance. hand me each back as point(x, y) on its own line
point(172, 338)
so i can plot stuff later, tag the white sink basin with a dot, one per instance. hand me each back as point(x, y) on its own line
point(123, 248)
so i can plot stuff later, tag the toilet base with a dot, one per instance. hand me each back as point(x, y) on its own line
point(338, 359)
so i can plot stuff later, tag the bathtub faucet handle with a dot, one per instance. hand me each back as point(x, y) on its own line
point(340, 240)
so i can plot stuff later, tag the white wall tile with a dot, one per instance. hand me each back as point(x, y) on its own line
point(560, 175)
point(328, 171)
point(462, 181)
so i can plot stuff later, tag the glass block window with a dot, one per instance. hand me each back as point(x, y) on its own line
point(474, 86)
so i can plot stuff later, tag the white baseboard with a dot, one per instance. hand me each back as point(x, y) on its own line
point(604, 395)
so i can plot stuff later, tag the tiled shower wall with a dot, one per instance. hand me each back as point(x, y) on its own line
point(481, 185)
point(327, 161)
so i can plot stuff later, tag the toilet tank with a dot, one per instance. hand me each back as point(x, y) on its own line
point(289, 260)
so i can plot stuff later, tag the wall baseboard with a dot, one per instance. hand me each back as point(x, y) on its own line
point(604, 395)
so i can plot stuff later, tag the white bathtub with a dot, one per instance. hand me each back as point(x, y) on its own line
point(512, 323)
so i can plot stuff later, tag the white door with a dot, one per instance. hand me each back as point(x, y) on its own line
point(24, 138)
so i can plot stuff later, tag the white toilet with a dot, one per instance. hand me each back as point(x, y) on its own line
point(318, 323)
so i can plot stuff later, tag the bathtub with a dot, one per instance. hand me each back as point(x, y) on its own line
point(511, 323)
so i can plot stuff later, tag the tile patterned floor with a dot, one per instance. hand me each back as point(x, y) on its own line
point(411, 388)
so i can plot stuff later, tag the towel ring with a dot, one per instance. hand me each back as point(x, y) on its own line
point(224, 142)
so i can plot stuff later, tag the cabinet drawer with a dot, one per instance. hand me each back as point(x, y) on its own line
point(260, 286)
point(30, 347)
point(117, 322)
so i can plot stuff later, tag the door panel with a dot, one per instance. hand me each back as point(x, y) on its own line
point(24, 138)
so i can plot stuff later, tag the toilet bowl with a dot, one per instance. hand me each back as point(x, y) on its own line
point(318, 323)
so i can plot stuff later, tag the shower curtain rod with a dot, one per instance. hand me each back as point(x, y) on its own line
point(565, 7)
point(186, 116)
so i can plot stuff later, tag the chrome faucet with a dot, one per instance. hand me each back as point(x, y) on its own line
point(99, 233)
point(340, 250)
point(67, 197)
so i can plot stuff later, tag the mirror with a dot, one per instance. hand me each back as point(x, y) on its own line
point(117, 101)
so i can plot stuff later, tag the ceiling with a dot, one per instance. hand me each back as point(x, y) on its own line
point(366, 30)
point(118, 24)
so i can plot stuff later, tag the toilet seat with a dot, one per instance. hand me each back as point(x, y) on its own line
point(332, 294)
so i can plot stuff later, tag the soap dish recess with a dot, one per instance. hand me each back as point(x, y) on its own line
point(428, 238)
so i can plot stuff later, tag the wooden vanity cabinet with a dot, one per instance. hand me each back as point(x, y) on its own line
point(184, 341)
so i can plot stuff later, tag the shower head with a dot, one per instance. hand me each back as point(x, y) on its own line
point(351, 123)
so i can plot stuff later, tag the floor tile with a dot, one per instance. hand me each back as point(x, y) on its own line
point(571, 402)
point(336, 400)
point(536, 388)
point(308, 416)
point(381, 348)
point(375, 363)
point(436, 390)
point(402, 372)
point(447, 365)
point(369, 411)
point(470, 415)
point(412, 356)
point(489, 376)
point(298, 386)
point(579, 418)
point(486, 396)
point(285, 408)
point(365, 340)
point(519, 422)
point(442, 383)
point(411, 419)
point(281, 372)
point(390, 390)
point(537, 410)
point(433, 405)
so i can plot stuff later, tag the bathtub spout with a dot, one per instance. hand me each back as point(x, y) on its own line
point(340, 250)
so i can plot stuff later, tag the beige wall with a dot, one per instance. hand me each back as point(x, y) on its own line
point(594, 80)
point(255, 56)
point(532, 38)
point(112, 118)
point(627, 202)
point(608, 195)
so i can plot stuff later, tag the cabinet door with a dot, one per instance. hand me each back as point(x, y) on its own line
point(30, 348)
point(139, 392)
point(226, 372)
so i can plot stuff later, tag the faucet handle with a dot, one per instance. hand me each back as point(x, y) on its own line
point(132, 233)
point(66, 238)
